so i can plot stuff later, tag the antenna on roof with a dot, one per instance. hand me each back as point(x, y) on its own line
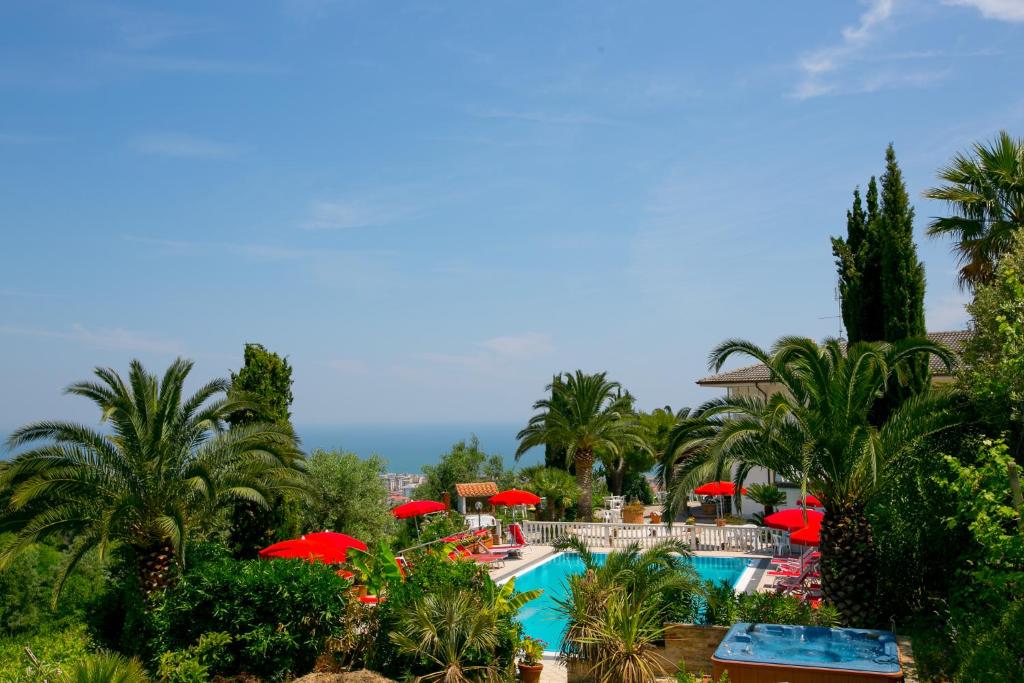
point(839, 301)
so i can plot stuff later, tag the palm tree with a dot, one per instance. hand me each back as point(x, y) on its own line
point(768, 495)
point(557, 488)
point(446, 629)
point(617, 608)
point(688, 437)
point(585, 414)
point(817, 430)
point(105, 667)
point(986, 191)
point(146, 482)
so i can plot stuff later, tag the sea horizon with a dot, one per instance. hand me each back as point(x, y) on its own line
point(406, 447)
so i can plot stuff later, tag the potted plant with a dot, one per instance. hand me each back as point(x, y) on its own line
point(633, 513)
point(530, 652)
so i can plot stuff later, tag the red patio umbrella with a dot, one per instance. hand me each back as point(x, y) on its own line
point(810, 535)
point(792, 519)
point(515, 497)
point(810, 501)
point(717, 488)
point(415, 508)
point(337, 540)
point(303, 549)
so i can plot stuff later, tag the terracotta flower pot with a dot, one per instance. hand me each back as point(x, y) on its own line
point(530, 673)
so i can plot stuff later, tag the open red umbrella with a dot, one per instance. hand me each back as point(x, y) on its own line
point(717, 488)
point(515, 497)
point(304, 549)
point(792, 519)
point(415, 508)
point(337, 540)
point(810, 535)
point(810, 501)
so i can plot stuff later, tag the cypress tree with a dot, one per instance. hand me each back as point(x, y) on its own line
point(902, 272)
point(881, 281)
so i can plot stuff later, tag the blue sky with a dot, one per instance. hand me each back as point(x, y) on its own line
point(432, 207)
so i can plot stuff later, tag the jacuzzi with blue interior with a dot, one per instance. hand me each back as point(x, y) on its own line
point(763, 653)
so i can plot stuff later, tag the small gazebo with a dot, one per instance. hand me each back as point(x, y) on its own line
point(476, 492)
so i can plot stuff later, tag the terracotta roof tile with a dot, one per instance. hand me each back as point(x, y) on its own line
point(759, 373)
point(477, 489)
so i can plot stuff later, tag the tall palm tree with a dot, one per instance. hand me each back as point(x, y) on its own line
point(817, 431)
point(584, 414)
point(147, 481)
point(986, 190)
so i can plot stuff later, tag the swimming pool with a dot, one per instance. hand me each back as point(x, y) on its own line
point(539, 618)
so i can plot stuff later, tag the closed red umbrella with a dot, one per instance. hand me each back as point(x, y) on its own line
point(304, 549)
point(810, 535)
point(415, 508)
point(515, 497)
point(793, 519)
point(337, 540)
point(810, 501)
point(717, 488)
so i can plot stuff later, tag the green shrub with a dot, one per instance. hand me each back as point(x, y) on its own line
point(280, 614)
point(54, 649)
point(104, 667)
point(26, 590)
point(724, 608)
point(433, 572)
point(195, 664)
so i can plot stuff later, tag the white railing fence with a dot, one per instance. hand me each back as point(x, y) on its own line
point(696, 536)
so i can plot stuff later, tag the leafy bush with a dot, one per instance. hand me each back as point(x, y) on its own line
point(281, 613)
point(350, 496)
point(54, 649)
point(195, 664)
point(26, 590)
point(433, 572)
point(724, 608)
point(105, 667)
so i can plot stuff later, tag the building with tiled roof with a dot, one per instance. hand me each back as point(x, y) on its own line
point(471, 493)
point(755, 381)
point(758, 374)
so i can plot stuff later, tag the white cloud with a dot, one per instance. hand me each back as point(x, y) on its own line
point(111, 339)
point(496, 354)
point(817, 65)
point(528, 345)
point(949, 313)
point(1001, 10)
point(340, 215)
point(348, 366)
point(182, 146)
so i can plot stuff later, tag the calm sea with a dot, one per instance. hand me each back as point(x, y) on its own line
point(406, 447)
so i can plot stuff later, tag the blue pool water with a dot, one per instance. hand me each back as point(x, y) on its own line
point(830, 648)
point(539, 618)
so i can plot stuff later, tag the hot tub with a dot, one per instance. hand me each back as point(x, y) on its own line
point(769, 653)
